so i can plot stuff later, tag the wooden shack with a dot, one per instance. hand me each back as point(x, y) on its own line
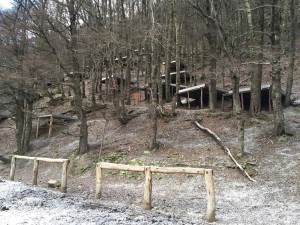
point(245, 97)
point(185, 78)
point(117, 81)
point(172, 67)
point(198, 95)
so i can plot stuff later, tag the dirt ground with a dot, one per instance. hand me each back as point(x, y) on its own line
point(177, 199)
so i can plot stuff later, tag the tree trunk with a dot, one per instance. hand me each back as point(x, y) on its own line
point(76, 80)
point(256, 73)
point(241, 135)
point(27, 126)
point(153, 106)
point(170, 16)
point(290, 72)
point(279, 125)
point(235, 79)
point(177, 58)
point(20, 117)
point(212, 94)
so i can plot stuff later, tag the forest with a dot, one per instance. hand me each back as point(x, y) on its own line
point(229, 44)
point(153, 83)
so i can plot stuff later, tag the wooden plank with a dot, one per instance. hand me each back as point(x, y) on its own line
point(188, 170)
point(210, 190)
point(148, 188)
point(40, 158)
point(114, 166)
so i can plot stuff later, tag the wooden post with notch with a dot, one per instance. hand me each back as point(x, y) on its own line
point(98, 181)
point(64, 176)
point(211, 205)
point(148, 188)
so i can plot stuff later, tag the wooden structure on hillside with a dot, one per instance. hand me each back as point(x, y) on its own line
point(185, 78)
point(172, 67)
point(116, 82)
point(36, 162)
point(51, 118)
point(149, 170)
point(245, 97)
point(198, 95)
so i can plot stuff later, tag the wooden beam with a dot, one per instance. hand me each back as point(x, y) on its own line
point(114, 166)
point(188, 100)
point(242, 101)
point(222, 102)
point(148, 188)
point(201, 98)
point(37, 127)
point(12, 168)
point(50, 126)
point(98, 180)
point(35, 171)
point(210, 190)
point(186, 170)
point(64, 176)
point(40, 158)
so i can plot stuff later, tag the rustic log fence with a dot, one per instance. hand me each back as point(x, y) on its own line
point(36, 160)
point(148, 170)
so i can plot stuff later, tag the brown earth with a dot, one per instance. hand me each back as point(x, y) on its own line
point(273, 161)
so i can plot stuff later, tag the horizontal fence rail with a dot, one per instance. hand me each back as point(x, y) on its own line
point(36, 160)
point(148, 170)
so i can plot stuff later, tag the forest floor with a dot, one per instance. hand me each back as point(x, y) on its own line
point(273, 161)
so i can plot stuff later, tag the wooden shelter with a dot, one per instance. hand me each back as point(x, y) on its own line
point(51, 118)
point(117, 81)
point(185, 78)
point(198, 95)
point(245, 97)
point(172, 67)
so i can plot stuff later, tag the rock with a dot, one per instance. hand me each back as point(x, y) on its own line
point(33, 201)
point(4, 208)
point(57, 96)
point(54, 183)
point(296, 102)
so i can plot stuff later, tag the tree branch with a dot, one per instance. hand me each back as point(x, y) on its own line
point(226, 150)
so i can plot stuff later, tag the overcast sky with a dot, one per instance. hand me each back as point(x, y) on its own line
point(5, 3)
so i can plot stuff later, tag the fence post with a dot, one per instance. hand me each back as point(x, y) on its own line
point(64, 176)
point(12, 168)
point(35, 172)
point(211, 205)
point(98, 181)
point(148, 188)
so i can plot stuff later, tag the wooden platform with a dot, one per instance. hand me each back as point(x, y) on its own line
point(50, 118)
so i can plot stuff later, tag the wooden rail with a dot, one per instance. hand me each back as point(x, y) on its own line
point(36, 160)
point(148, 170)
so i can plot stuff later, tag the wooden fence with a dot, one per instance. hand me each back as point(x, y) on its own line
point(36, 160)
point(148, 170)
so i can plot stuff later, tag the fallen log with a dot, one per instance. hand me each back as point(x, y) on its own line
point(226, 149)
